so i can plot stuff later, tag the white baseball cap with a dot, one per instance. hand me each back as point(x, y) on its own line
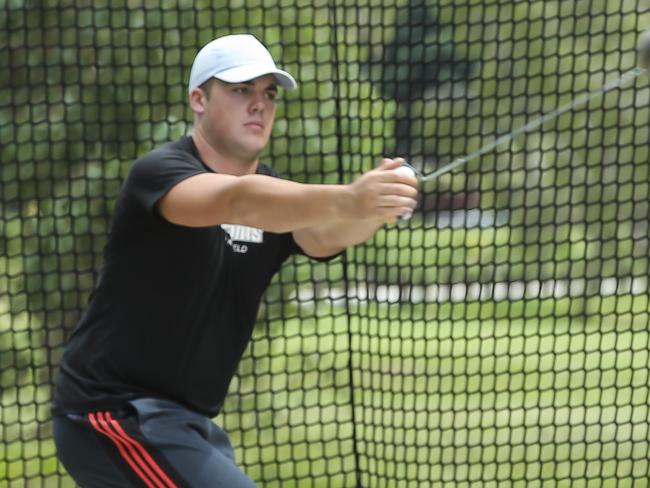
point(235, 59)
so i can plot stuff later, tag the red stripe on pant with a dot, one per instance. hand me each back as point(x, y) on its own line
point(132, 451)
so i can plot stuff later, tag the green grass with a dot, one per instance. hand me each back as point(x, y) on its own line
point(477, 394)
point(450, 400)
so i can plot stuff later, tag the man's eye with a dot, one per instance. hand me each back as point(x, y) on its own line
point(240, 89)
point(271, 95)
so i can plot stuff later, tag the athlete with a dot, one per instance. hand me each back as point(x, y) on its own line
point(199, 229)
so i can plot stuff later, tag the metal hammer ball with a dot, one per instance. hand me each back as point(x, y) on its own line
point(409, 170)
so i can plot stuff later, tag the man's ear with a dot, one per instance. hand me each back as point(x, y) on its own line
point(198, 99)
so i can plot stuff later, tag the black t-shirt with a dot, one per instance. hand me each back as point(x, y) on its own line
point(174, 307)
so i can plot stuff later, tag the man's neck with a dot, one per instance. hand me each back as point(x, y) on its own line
point(220, 163)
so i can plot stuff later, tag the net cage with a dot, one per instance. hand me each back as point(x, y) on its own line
point(500, 337)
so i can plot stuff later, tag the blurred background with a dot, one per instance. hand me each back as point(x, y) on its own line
point(499, 338)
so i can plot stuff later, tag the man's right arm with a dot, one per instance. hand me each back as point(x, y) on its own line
point(277, 205)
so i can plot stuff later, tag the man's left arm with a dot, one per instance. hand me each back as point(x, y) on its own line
point(333, 237)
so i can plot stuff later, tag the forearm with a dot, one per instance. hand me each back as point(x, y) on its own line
point(351, 233)
point(278, 205)
point(330, 238)
point(390, 203)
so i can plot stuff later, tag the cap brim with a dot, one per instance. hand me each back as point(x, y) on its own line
point(241, 74)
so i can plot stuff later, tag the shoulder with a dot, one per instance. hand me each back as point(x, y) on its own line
point(173, 157)
point(177, 151)
point(152, 175)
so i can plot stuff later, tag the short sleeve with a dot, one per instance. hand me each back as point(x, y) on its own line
point(153, 175)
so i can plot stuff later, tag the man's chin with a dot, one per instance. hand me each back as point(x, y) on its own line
point(255, 145)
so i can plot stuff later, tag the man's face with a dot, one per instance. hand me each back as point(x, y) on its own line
point(238, 117)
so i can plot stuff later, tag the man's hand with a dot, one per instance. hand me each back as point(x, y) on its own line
point(383, 194)
point(378, 197)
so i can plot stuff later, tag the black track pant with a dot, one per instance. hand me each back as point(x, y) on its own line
point(151, 443)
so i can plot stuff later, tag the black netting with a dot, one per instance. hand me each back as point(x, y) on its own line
point(498, 338)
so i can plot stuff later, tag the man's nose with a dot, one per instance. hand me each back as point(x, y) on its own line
point(257, 105)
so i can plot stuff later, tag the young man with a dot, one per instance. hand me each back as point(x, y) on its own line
point(200, 227)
